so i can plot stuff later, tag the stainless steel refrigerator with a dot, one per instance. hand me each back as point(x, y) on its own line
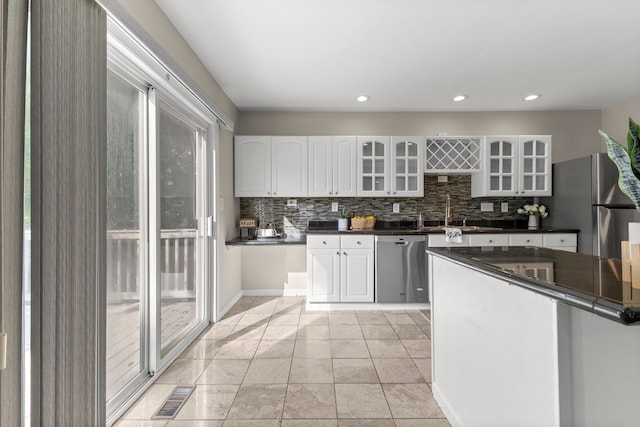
point(586, 196)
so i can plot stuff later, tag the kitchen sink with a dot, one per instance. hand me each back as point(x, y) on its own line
point(463, 228)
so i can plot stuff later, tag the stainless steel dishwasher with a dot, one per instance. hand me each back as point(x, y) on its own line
point(401, 269)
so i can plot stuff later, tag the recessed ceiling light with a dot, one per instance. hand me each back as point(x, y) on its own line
point(459, 98)
point(362, 98)
point(532, 97)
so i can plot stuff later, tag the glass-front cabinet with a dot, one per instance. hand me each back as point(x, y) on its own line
point(535, 165)
point(373, 166)
point(390, 166)
point(502, 162)
point(514, 166)
point(407, 175)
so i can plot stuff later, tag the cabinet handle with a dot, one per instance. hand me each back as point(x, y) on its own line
point(388, 192)
point(274, 193)
point(358, 242)
point(344, 253)
point(324, 242)
point(394, 192)
point(561, 240)
point(268, 192)
point(336, 193)
point(490, 241)
point(330, 193)
point(338, 253)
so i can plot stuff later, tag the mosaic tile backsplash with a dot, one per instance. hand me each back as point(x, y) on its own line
point(293, 220)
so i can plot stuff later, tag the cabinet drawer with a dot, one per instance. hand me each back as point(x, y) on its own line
point(323, 241)
point(440, 240)
point(559, 239)
point(362, 241)
point(488, 240)
point(525, 239)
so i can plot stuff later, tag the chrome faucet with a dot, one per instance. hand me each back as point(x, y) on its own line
point(447, 210)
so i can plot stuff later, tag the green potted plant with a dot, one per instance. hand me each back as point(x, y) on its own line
point(628, 162)
point(343, 221)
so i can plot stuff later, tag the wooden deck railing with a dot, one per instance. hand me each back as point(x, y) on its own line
point(177, 255)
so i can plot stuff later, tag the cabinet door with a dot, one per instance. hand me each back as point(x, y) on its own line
point(535, 166)
point(356, 276)
point(345, 166)
point(252, 158)
point(289, 163)
point(407, 175)
point(321, 166)
point(373, 166)
point(501, 166)
point(488, 240)
point(323, 275)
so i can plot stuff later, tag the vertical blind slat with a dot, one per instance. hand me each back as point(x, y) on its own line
point(69, 246)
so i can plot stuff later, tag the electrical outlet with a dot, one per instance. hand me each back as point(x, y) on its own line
point(334, 207)
point(486, 207)
point(504, 207)
point(443, 178)
point(396, 208)
point(292, 202)
point(442, 134)
point(221, 204)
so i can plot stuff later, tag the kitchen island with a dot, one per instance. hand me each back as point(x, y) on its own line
point(529, 336)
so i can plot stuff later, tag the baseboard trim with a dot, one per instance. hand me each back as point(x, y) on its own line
point(445, 406)
point(274, 292)
point(336, 306)
point(230, 304)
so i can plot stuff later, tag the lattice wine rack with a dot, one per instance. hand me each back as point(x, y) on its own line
point(453, 154)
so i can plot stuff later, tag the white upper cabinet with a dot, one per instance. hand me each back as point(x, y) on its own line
point(345, 161)
point(332, 166)
point(373, 166)
point(390, 166)
point(407, 175)
point(268, 166)
point(535, 165)
point(289, 174)
point(320, 166)
point(514, 166)
point(252, 158)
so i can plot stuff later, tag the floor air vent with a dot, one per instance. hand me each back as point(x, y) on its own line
point(174, 402)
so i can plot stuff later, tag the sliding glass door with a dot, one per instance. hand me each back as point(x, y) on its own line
point(126, 211)
point(181, 201)
point(158, 235)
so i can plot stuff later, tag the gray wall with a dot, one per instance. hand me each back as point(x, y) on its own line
point(575, 133)
point(615, 119)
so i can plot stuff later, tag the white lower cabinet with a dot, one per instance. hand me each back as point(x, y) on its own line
point(525, 239)
point(488, 240)
point(440, 241)
point(560, 241)
point(340, 268)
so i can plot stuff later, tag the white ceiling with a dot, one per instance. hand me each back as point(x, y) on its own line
point(415, 55)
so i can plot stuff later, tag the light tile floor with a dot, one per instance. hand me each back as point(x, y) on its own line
point(270, 362)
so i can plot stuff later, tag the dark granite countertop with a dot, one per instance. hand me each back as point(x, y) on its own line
point(238, 241)
point(591, 283)
point(434, 230)
point(409, 227)
point(390, 228)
